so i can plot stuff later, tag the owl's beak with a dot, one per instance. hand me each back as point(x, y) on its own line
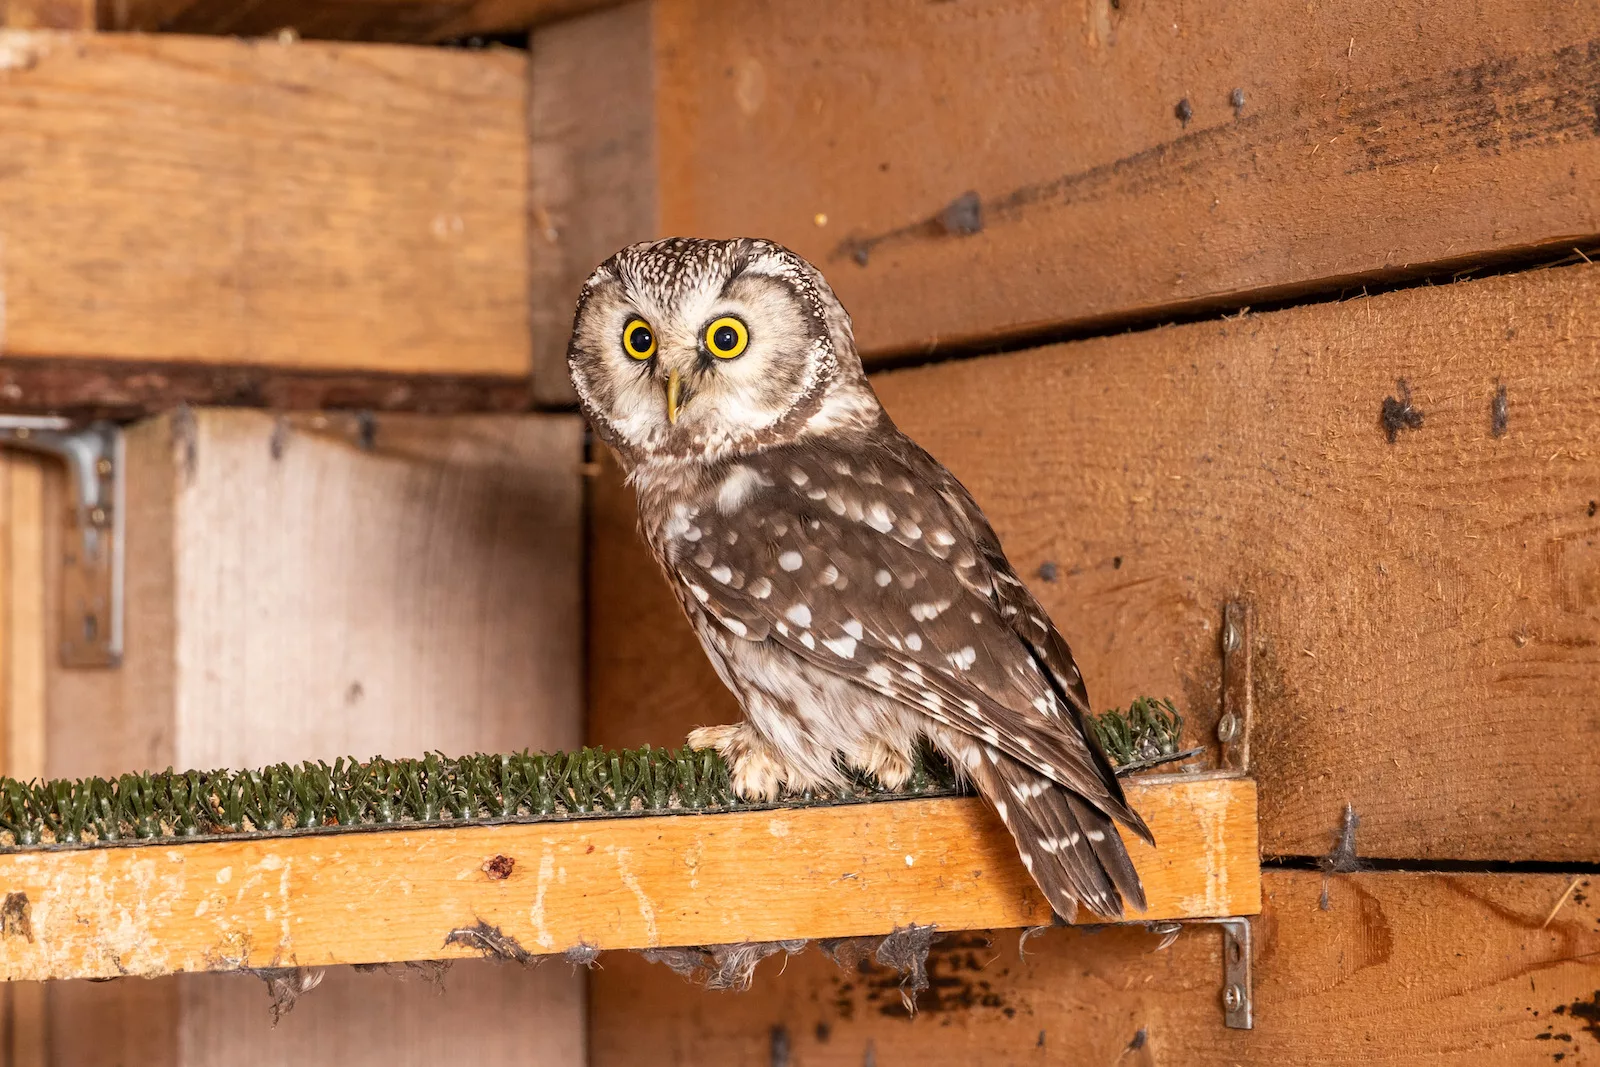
point(674, 391)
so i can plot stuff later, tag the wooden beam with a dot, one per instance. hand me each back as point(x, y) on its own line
point(1386, 970)
point(308, 206)
point(1427, 609)
point(47, 14)
point(395, 21)
point(979, 172)
point(412, 894)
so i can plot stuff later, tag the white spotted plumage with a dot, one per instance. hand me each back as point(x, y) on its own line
point(869, 602)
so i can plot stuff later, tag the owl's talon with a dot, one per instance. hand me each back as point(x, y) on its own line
point(714, 737)
point(753, 771)
point(892, 769)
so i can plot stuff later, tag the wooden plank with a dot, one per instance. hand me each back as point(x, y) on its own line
point(1428, 610)
point(1114, 178)
point(124, 391)
point(591, 130)
point(352, 20)
point(23, 658)
point(322, 585)
point(644, 882)
point(1395, 969)
point(219, 201)
point(47, 14)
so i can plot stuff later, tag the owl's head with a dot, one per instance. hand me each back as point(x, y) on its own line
point(697, 350)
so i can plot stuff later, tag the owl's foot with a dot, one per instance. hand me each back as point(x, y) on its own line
point(891, 768)
point(754, 770)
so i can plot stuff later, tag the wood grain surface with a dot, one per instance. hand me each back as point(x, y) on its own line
point(966, 172)
point(223, 201)
point(396, 895)
point(356, 20)
point(1427, 609)
point(1367, 970)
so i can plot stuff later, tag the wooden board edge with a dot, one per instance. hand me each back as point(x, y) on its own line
point(525, 890)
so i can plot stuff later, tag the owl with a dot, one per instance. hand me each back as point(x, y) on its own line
point(844, 585)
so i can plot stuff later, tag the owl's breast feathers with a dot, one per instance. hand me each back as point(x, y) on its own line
point(871, 562)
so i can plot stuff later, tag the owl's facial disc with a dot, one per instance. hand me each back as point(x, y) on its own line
point(698, 367)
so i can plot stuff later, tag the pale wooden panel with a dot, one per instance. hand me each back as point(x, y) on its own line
point(1371, 138)
point(293, 594)
point(225, 201)
point(1398, 970)
point(620, 883)
point(1428, 611)
point(364, 20)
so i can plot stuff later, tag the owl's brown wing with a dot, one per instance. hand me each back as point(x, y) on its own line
point(859, 564)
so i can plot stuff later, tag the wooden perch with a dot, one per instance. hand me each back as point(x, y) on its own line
point(619, 883)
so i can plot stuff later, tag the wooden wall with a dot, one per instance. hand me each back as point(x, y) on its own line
point(1060, 258)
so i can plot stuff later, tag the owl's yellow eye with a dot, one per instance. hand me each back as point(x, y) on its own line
point(727, 337)
point(639, 339)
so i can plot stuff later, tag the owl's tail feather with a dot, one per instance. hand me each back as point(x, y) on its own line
point(1071, 849)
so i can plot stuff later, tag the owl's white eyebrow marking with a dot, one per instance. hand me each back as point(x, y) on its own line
point(914, 642)
point(883, 577)
point(799, 614)
point(828, 575)
point(737, 487)
point(760, 588)
point(880, 518)
point(722, 574)
point(844, 646)
point(853, 628)
point(790, 561)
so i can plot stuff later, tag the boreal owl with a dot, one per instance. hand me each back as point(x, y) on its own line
point(844, 585)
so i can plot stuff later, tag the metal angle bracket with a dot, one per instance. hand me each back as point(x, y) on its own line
point(1238, 685)
point(1238, 997)
point(93, 545)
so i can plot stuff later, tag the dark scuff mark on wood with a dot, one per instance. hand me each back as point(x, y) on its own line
point(1499, 413)
point(778, 1046)
point(1586, 1010)
point(499, 868)
point(1397, 414)
point(1183, 111)
point(16, 917)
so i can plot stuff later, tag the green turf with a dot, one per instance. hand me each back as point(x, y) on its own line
point(435, 790)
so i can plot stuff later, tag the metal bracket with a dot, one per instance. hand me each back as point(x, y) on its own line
point(1238, 685)
point(1238, 999)
point(92, 548)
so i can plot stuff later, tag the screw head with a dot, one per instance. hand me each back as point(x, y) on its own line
point(1227, 727)
point(98, 516)
point(23, 433)
point(1233, 997)
point(1230, 636)
point(103, 467)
